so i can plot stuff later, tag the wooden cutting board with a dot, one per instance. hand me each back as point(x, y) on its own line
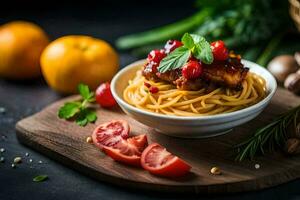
point(65, 142)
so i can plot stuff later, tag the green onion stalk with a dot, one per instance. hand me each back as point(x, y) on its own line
point(249, 26)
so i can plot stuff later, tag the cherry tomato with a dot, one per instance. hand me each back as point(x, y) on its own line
point(171, 45)
point(219, 50)
point(192, 70)
point(128, 150)
point(110, 133)
point(104, 97)
point(156, 56)
point(151, 67)
point(157, 160)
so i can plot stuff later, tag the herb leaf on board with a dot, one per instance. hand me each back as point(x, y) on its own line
point(81, 119)
point(40, 178)
point(84, 91)
point(69, 110)
point(79, 109)
point(85, 116)
point(91, 115)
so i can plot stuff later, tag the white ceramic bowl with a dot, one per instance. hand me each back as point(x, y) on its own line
point(191, 127)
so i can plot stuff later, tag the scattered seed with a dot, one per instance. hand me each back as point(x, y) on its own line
point(30, 160)
point(2, 110)
point(13, 165)
point(2, 159)
point(40, 162)
point(26, 154)
point(17, 160)
point(2, 150)
point(89, 139)
point(215, 171)
point(257, 166)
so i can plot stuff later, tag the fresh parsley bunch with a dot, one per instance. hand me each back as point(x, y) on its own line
point(195, 45)
point(79, 109)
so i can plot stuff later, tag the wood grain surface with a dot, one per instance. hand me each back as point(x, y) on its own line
point(64, 141)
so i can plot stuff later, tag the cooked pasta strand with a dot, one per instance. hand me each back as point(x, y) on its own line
point(172, 101)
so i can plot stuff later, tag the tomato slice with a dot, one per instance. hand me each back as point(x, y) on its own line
point(110, 133)
point(128, 150)
point(157, 160)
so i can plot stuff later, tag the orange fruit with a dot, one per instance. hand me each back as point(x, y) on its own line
point(21, 44)
point(75, 59)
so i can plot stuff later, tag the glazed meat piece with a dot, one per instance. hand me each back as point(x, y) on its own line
point(169, 76)
point(229, 73)
point(184, 84)
point(149, 71)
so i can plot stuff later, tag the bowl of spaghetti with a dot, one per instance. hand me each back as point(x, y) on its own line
point(192, 108)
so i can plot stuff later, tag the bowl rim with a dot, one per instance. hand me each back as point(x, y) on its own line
point(256, 106)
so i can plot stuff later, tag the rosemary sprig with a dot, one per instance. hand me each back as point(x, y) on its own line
point(269, 138)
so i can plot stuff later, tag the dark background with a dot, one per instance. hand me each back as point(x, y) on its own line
point(106, 20)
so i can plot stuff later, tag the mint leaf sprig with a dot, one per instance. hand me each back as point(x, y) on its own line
point(79, 109)
point(195, 45)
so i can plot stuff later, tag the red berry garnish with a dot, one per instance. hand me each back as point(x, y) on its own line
point(156, 56)
point(192, 70)
point(147, 84)
point(153, 89)
point(219, 50)
point(104, 97)
point(171, 45)
point(151, 67)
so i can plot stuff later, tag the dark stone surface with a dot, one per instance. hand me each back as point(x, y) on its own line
point(107, 20)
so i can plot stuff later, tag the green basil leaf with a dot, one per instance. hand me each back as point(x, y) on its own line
point(40, 178)
point(175, 59)
point(92, 97)
point(203, 52)
point(197, 38)
point(79, 109)
point(91, 116)
point(84, 91)
point(188, 41)
point(68, 110)
point(81, 119)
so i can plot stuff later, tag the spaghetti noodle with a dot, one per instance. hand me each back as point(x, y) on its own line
point(172, 101)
